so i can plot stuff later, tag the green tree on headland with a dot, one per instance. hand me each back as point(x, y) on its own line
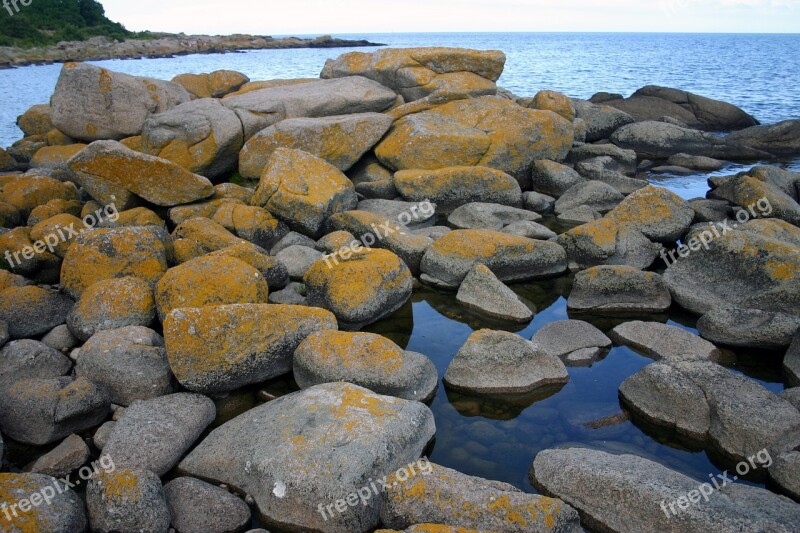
point(46, 22)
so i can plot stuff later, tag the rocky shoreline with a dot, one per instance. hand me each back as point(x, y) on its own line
point(172, 243)
point(161, 45)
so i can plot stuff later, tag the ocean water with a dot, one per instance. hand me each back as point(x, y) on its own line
point(498, 438)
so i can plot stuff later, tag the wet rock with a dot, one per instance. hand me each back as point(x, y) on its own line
point(63, 513)
point(195, 505)
point(502, 363)
point(661, 215)
point(598, 484)
point(564, 338)
point(593, 194)
point(481, 290)
point(620, 289)
point(67, 457)
point(748, 328)
point(367, 360)
point(222, 348)
point(446, 496)
point(298, 259)
point(452, 187)
point(601, 120)
point(479, 215)
point(26, 359)
point(110, 304)
point(264, 452)
point(31, 311)
point(127, 500)
point(778, 139)
point(154, 434)
point(662, 341)
point(554, 179)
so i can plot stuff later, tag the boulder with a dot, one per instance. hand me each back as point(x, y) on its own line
point(59, 338)
point(662, 341)
point(63, 513)
point(222, 348)
point(36, 120)
point(251, 223)
point(195, 505)
point(791, 362)
point(554, 179)
point(599, 484)
point(479, 215)
point(482, 291)
point(601, 120)
point(590, 158)
point(52, 229)
point(339, 140)
point(31, 191)
point(62, 460)
point(27, 359)
point(563, 338)
point(55, 157)
point(754, 194)
point(780, 139)
point(556, 102)
point(367, 360)
point(661, 215)
point(213, 84)
point(696, 162)
point(497, 362)
point(204, 235)
point(154, 434)
point(748, 328)
point(530, 229)
point(596, 195)
point(607, 242)
point(448, 261)
point(92, 103)
point(619, 289)
point(280, 453)
point(453, 187)
point(579, 215)
point(785, 473)
point(298, 259)
point(31, 311)
point(110, 304)
point(359, 289)
point(303, 190)
point(127, 500)
point(708, 210)
point(410, 215)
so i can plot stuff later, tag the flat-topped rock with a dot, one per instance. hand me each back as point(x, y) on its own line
point(662, 341)
point(482, 291)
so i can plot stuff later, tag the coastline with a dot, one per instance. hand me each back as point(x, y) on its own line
point(164, 46)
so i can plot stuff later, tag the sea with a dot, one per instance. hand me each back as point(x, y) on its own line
point(497, 438)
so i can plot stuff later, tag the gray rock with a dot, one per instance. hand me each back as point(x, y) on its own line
point(154, 434)
point(452, 187)
point(662, 341)
point(658, 140)
point(603, 167)
point(481, 290)
point(324, 98)
point(290, 295)
point(367, 360)
point(4, 335)
point(529, 229)
point(63, 513)
point(24, 359)
point(593, 194)
point(709, 210)
point(103, 433)
point(412, 215)
point(748, 328)
point(791, 363)
point(59, 338)
point(59, 407)
point(781, 139)
point(473, 503)
point(783, 179)
point(478, 215)
point(554, 179)
point(196, 506)
point(538, 202)
point(599, 484)
point(673, 170)
point(606, 241)
point(601, 120)
point(593, 158)
point(32, 311)
point(579, 215)
point(92, 103)
point(67, 457)
point(265, 453)
point(696, 162)
point(661, 215)
point(433, 233)
point(497, 362)
point(785, 473)
point(564, 338)
point(298, 259)
point(792, 396)
point(127, 500)
point(622, 289)
point(292, 239)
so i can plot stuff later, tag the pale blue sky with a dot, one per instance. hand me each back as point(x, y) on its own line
point(269, 17)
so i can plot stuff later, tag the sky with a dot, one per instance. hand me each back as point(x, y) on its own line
point(316, 17)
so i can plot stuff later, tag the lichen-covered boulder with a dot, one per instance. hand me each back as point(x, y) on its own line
point(620, 289)
point(303, 190)
point(31, 311)
point(110, 304)
point(554, 101)
point(222, 348)
point(212, 84)
point(29, 192)
point(275, 273)
point(605, 241)
point(661, 215)
point(251, 223)
point(58, 232)
point(63, 512)
point(127, 500)
point(36, 120)
point(453, 187)
point(55, 157)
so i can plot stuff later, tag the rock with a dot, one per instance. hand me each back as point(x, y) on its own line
point(784, 180)
point(427, 74)
point(298, 259)
point(92, 103)
point(195, 505)
point(60, 339)
point(537, 202)
point(453, 187)
point(653, 102)
point(265, 453)
point(65, 458)
point(39, 411)
point(36, 120)
point(26, 359)
point(303, 190)
point(202, 136)
point(791, 363)
point(291, 239)
point(497, 362)
point(292, 294)
point(130, 362)
point(52, 229)
point(593, 194)
point(601, 120)
point(778, 139)
point(103, 433)
point(208, 236)
point(485, 131)
point(29, 192)
point(579, 215)
point(447, 496)
point(598, 484)
point(709, 210)
point(785, 473)
point(481, 290)
point(251, 223)
point(448, 261)
point(619, 289)
point(696, 162)
point(554, 179)
point(478, 215)
point(338, 140)
point(725, 411)
point(110, 173)
point(661, 215)
point(752, 194)
point(748, 328)
point(222, 348)
point(55, 157)
point(210, 280)
point(735, 271)
point(367, 286)
point(411, 215)
point(63, 513)
point(433, 233)
point(367, 360)
point(659, 140)
point(661, 341)
point(7, 163)
point(606, 241)
point(110, 304)
point(127, 500)
point(213, 84)
point(154, 434)
point(262, 108)
point(31, 311)
point(529, 229)
point(556, 102)
point(566, 337)
point(593, 158)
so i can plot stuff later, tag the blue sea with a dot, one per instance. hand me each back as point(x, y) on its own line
point(498, 439)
